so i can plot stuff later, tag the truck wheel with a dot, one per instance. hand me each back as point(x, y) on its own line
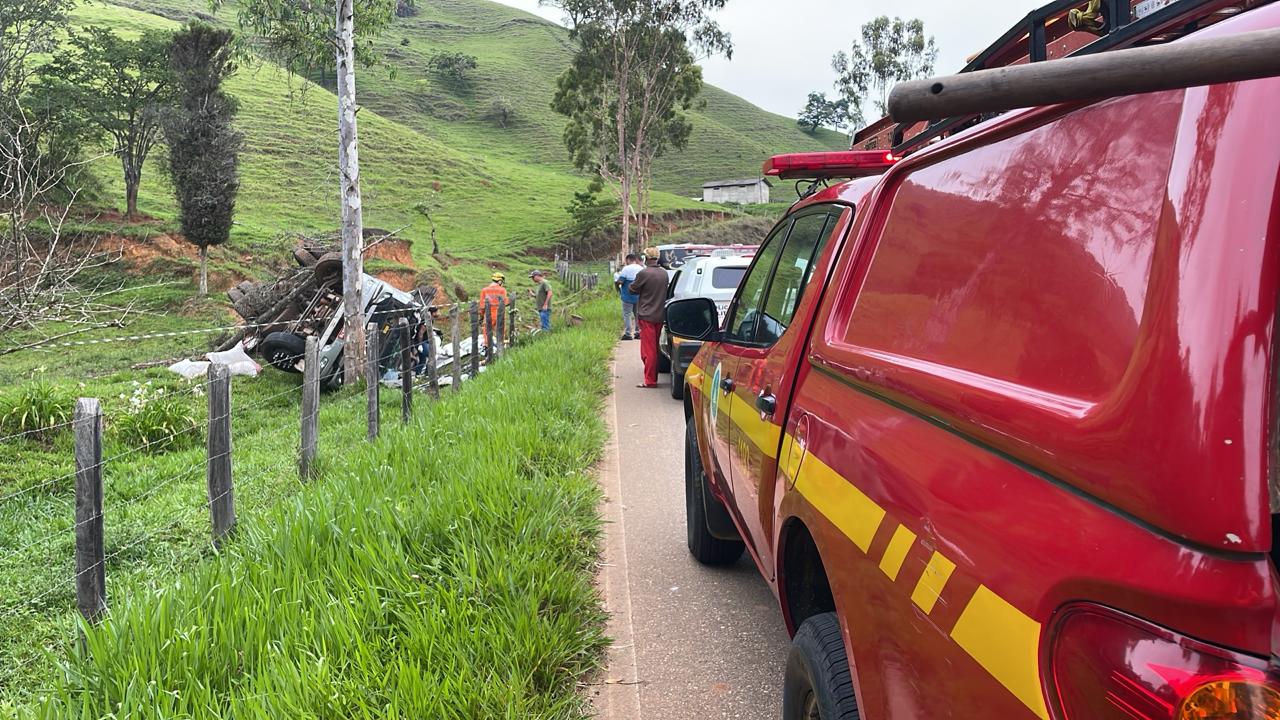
point(283, 350)
point(817, 685)
point(677, 385)
point(705, 547)
point(304, 257)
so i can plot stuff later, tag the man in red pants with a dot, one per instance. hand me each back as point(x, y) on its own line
point(650, 286)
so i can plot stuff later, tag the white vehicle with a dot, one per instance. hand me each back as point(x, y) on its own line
point(715, 277)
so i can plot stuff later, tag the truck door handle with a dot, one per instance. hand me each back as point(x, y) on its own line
point(766, 404)
point(726, 385)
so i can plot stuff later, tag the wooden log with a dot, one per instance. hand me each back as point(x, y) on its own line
point(1183, 64)
point(91, 575)
point(371, 376)
point(310, 409)
point(222, 501)
point(406, 371)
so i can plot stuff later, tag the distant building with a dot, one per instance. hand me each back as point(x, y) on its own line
point(750, 191)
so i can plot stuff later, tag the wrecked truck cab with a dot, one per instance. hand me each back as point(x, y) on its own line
point(384, 306)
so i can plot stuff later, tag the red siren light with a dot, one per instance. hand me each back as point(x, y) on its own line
point(823, 165)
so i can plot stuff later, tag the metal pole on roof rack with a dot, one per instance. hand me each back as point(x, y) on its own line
point(1183, 64)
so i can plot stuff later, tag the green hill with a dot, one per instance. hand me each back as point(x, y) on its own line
point(504, 189)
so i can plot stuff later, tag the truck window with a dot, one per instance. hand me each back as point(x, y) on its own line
point(795, 265)
point(727, 278)
point(741, 327)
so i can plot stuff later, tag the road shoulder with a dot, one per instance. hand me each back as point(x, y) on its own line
point(617, 692)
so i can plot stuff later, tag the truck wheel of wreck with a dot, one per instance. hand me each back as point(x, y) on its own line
point(703, 546)
point(328, 266)
point(304, 257)
point(235, 295)
point(817, 682)
point(283, 350)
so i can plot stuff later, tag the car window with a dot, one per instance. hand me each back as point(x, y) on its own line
point(671, 286)
point(795, 267)
point(727, 278)
point(741, 327)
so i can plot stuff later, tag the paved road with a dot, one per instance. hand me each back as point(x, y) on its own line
point(690, 641)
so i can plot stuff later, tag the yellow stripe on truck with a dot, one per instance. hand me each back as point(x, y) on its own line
point(896, 553)
point(998, 636)
point(760, 431)
point(932, 581)
point(1006, 643)
point(857, 515)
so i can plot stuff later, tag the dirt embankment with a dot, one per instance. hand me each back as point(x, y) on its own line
point(170, 254)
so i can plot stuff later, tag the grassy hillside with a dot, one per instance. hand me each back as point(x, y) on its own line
point(520, 57)
point(496, 208)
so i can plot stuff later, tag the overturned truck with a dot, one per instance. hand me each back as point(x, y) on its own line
point(280, 315)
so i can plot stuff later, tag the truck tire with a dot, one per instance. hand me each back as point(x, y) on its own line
point(664, 363)
point(304, 257)
point(817, 683)
point(283, 350)
point(235, 295)
point(329, 268)
point(677, 385)
point(703, 546)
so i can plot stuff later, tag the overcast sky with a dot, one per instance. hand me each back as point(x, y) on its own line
point(783, 48)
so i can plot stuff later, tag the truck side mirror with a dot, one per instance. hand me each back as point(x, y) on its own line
point(693, 319)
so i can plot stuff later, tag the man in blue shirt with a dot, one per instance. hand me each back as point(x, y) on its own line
point(622, 280)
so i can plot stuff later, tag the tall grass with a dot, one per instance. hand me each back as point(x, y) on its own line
point(442, 572)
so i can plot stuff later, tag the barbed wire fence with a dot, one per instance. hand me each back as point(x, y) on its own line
point(94, 523)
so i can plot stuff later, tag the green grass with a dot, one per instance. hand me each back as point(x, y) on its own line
point(442, 572)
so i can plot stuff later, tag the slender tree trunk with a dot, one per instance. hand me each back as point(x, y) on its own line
point(204, 270)
point(352, 211)
point(625, 192)
point(130, 197)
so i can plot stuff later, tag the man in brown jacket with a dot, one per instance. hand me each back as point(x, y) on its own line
point(651, 287)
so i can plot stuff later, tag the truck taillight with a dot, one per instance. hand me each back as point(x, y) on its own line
point(1105, 665)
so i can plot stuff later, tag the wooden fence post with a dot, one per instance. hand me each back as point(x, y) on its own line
point(222, 499)
point(511, 325)
point(433, 374)
point(310, 408)
point(371, 379)
point(406, 371)
point(457, 347)
point(488, 331)
point(475, 338)
point(501, 333)
point(91, 571)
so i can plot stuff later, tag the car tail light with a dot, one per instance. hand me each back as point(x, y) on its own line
point(1105, 665)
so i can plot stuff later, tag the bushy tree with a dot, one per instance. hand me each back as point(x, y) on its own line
point(819, 112)
point(634, 73)
point(501, 111)
point(204, 146)
point(590, 213)
point(121, 86)
point(453, 66)
point(889, 52)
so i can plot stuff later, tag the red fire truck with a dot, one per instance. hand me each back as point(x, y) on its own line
point(999, 422)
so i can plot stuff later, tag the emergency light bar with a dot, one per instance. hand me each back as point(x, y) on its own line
point(824, 165)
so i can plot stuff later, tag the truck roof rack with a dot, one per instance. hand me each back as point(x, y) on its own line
point(1063, 28)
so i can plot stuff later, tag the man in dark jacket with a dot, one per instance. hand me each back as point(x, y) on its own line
point(650, 287)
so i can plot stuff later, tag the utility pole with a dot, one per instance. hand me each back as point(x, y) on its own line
point(352, 210)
